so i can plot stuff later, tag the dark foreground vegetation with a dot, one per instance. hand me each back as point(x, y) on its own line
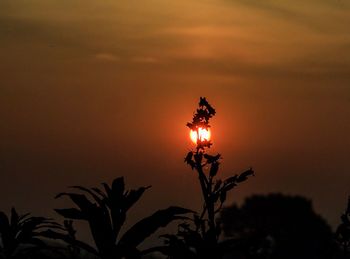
point(274, 226)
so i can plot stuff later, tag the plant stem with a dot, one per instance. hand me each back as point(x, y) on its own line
point(207, 195)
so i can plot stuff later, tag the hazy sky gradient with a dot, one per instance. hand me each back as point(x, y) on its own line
point(91, 90)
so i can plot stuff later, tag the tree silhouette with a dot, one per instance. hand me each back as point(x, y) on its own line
point(285, 226)
point(106, 211)
point(201, 239)
point(342, 234)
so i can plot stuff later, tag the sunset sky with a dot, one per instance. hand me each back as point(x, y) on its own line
point(91, 90)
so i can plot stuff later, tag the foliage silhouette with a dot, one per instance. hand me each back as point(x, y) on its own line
point(105, 211)
point(20, 234)
point(201, 238)
point(342, 234)
point(286, 227)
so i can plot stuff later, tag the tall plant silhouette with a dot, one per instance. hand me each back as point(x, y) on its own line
point(20, 234)
point(202, 239)
point(106, 211)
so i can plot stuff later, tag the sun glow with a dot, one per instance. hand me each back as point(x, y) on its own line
point(203, 134)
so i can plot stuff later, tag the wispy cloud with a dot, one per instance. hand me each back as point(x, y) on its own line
point(144, 60)
point(107, 57)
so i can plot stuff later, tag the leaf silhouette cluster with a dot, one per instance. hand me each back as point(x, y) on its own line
point(201, 120)
point(105, 211)
point(20, 234)
point(342, 233)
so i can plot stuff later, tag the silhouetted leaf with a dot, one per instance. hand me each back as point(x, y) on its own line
point(191, 126)
point(97, 190)
point(188, 157)
point(14, 218)
point(22, 217)
point(133, 196)
point(144, 228)
point(203, 102)
point(214, 169)
point(93, 194)
point(217, 185)
point(229, 186)
point(244, 176)
point(118, 187)
point(222, 196)
point(198, 158)
point(4, 223)
point(80, 200)
point(212, 159)
point(107, 189)
point(231, 179)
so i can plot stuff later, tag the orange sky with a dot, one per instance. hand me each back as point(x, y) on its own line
point(90, 90)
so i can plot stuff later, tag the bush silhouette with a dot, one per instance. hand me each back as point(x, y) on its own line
point(106, 211)
point(20, 234)
point(285, 227)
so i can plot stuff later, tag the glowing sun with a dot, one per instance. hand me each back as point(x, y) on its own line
point(202, 134)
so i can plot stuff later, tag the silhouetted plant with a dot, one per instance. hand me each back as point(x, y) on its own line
point(105, 211)
point(342, 233)
point(201, 239)
point(284, 227)
point(20, 234)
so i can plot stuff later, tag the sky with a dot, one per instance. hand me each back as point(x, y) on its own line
point(91, 90)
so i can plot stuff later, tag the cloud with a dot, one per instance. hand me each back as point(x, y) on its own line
point(107, 57)
point(312, 14)
point(144, 60)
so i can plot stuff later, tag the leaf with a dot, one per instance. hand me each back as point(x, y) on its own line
point(229, 186)
point(231, 179)
point(93, 194)
point(198, 158)
point(23, 217)
point(144, 228)
point(217, 185)
point(80, 200)
point(28, 227)
point(107, 189)
point(244, 176)
point(188, 157)
point(72, 213)
point(118, 187)
point(214, 169)
point(191, 126)
point(203, 102)
point(212, 159)
point(133, 196)
point(97, 190)
point(14, 218)
point(222, 196)
point(189, 160)
point(4, 223)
